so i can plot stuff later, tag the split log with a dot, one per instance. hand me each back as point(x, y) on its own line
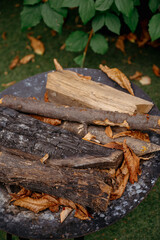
point(139, 147)
point(67, 87)
point(89, 188)
point(82, 115)
point(18, 131)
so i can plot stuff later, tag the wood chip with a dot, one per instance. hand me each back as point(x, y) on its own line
point(64, 213)
point(44, 159)
point(116, 75)
point(145, 80)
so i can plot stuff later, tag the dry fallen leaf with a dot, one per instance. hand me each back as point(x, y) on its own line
point(136, 76)
point(47, 120)
point(131, 37)
point(132, 162)
point(35, 205)
point(89, 137)
point(4, 35)
point(145, 80)
point(37, 45)
point(57, 65)
point(145, 37)
point(115, 145)
point(120, 43)
point(134, 134)
point(64, 213)
point(156, 70)
point(155, 43)
point(63, 47)
point(53, 33)
point(8, 84)
point(81, 212)
point(122, 182)
point(22, 193)
point(129, 60)
point(27, 59)
point(108, 132)
point(116, 75)
point(67, 203)
point(14, 62)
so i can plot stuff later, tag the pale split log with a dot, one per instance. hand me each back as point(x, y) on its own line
point(66, 87)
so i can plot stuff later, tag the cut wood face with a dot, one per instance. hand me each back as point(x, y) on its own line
point(67, 88)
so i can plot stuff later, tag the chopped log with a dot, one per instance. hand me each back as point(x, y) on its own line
point(139, 147)
point(82, 115)
point(66, 87)
point(22, 132)
point(89, 188)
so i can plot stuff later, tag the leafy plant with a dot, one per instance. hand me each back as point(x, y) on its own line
point(97, 14)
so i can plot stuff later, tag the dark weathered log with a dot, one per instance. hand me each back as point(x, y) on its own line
point(30, 135)
point(139, 147)
point(88, 187)
point(83, 115)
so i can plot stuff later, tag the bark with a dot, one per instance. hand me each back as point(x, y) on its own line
point(18, 131)
point(139, 147)
point(91, 188)
point(82, 115)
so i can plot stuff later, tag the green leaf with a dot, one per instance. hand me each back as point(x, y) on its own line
point(132, 21)
point(103, 5)
point(86, 10)
point(113, 23)
point(57, 6)
point(125, 6)
point(30, 2)
point(153, 5)
point(76, 41)
point(55, 3)
point(30, 16)
point(115, 9)
point(70, 3)
point(79, 60)
point(98, 22)
point(154, 27)
point(99, 44)
point(136, 2)
point(51, 18)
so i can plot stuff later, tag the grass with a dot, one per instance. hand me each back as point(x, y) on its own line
point(143, 222)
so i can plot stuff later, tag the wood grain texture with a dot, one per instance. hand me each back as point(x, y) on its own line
point(66, 87)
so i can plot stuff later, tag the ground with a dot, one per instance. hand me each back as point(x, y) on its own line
point(143, 222)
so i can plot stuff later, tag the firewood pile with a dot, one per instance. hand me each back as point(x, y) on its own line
point(77, 149)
